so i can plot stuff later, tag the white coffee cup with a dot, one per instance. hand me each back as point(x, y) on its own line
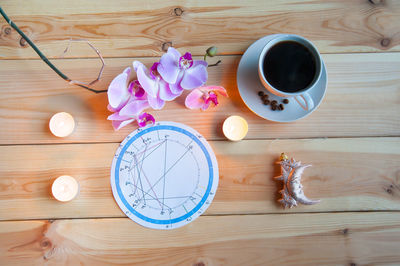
point(302, 97)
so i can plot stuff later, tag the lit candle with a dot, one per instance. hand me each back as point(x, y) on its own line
point(65, 188)
point(235, 128)
point(62, 124)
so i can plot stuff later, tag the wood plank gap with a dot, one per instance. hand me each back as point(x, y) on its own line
point(207, 215)
point(213, 140)
point(197, 55)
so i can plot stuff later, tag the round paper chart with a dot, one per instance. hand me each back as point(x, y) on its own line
point(164, 176)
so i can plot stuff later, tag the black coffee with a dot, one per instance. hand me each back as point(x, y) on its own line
point(289, 66)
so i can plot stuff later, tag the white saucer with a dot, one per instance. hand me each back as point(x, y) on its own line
point(249, 85)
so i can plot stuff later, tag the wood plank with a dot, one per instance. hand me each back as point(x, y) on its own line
point(293, 239)
point(347, 174)
point(125, 28)
point(363, 99)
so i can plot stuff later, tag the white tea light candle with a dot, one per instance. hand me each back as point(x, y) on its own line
point(65, 188)
point(235, 128)
point(62, 124)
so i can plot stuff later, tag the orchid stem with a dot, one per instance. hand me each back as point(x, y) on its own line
point(44, 58)
point(40, 54)
point(216, 64)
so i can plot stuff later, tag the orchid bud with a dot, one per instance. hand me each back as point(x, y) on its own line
point(212, 51)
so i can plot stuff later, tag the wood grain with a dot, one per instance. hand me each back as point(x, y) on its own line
point(348, 175)
point(126, 28)
point(363, 99)
point(301, 239)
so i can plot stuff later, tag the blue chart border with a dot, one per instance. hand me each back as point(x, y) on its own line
point(210, 168)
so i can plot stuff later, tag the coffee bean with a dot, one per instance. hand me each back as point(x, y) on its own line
point(266, 102)
point(265, 97)
point(285, 101)
point(274, 102)
point(260, 93)
point(281, 107)
point(273, 107)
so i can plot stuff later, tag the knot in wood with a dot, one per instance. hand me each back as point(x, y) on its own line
point(165, 46)
point(199, 264)
point(7, 30)
point(45, 243)
point(385, 42)
point(376, 2)
point(345, 231)
point(178, 11)
point(22, 42)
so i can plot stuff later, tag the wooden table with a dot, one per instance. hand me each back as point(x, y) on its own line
point(352, 140)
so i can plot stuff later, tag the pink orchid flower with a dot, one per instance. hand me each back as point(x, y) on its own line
point(158, 90)
point(144, 118)
point(126, 101)
point(182, 72)
point(118, 92)
point(202, 97)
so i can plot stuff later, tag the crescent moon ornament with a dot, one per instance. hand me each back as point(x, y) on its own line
point(292, 192)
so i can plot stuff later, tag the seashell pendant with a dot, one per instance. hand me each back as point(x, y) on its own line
point(292, 192)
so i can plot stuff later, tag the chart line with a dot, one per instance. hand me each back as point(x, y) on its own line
point(137, 163)
point(193, 201)
point(131, 183)
point(152, 198)
point(167, 198)
point(165, 166)
point(134, 147)
point(140, 180)
point(170, 168)
point(158, 144)
point(141, 171)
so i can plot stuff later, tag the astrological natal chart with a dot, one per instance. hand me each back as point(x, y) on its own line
point(164, 176)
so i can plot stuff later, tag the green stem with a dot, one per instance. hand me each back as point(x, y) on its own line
point(42, 56)
point(216, 64)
